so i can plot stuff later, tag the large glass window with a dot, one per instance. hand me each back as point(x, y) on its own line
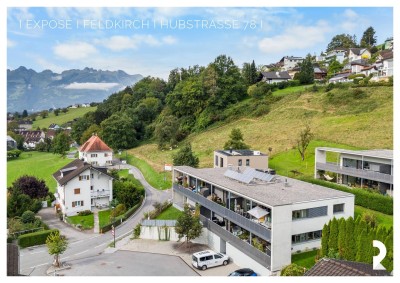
point(298, 214)
point(305, 237)
point(337, 208)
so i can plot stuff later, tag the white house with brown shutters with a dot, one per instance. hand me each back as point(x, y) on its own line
point(96, 152)
point(81, 186)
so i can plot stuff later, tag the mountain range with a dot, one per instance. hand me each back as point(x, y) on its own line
point(35, 91)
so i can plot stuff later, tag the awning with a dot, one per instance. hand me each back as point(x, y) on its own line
point(257, 212)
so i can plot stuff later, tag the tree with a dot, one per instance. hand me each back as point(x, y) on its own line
point(236, 140)
point(127, 193)
point(350, 243)
point(166, 131)
point(18, 138)
point(185, 156)
point(249, 73)
point(342, 41)
point(57, 245)
point(44, 114)
point(306, 74)
point(28, 217)
point(342, 237)
point(187, 225)
point(64, 110)
point(388, 260)
point(61, 143)
point(24, 114)
point(56, 111)
point(368, 39)
point(334, 67)
point(93, 129)
point(44, 145)
point(304, 140)
point(18, 203)
point(293, 270)
point(325, 239)
point(31, 186)
point(333, 235)
point(119, 132)
point(369, 218)
point(81, 125)
point(362, 246)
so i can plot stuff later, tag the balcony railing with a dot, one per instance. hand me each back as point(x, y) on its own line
point(257, 255)
point(365, 174)
point(238, 219)
point(98, 194)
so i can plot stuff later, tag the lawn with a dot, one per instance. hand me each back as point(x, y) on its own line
point(39, 164)
point(62, 118)
point(86, 221)
point(104, 217)
point(154, 178)
point(124, 173)
point(290, 90)
point(171, 213)
point(381, 218)
point(306, 259)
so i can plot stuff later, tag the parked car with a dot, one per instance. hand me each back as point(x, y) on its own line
point(205, 259)
point(243, 272)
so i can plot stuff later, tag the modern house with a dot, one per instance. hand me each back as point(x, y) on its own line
point(386, 67)
point(275, 77)
point(358, 53)
point(289, 62)
point(242, 157)
point(256, 218)
point(357, 168)
point(358, 65)
point(338, 54)
point(96, 152)
point(340, 78)
point(25, 124)
point(81, 186)
point(11, 143)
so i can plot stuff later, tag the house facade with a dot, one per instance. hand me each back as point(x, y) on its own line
point(94, 151)
point(358, 65)
point(289, 62)
point(358, 168)
point(258, 219)
point(81, 186)
point(275, 77)
point(11, 143)
point(338, 54)
point(243, 157)
point(358, 53)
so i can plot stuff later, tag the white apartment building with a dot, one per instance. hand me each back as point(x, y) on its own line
point(81, 186)
point(259, 219)
point(289, 62)
point(94, 151)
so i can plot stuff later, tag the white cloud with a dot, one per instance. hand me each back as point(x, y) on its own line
point(119, 42)
point(95, 86)
point(295, 38)
point(169, 40)
point(74, 50)
point(10, 43)
point(350, 21)
point(93, 13)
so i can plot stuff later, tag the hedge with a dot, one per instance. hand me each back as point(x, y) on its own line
point(35, 238)
point(118, 220)
point(363, 198)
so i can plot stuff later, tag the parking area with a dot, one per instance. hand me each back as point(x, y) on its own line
point(177, 249)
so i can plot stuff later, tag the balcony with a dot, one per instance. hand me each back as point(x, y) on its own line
point(100, 194)
point(260, 257)
point(261, 231)
point(365, 174)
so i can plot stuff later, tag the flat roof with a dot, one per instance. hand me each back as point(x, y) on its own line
point(240, 152)
point(272, 194)
point(379, 153)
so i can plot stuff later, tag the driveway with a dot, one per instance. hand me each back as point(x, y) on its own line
point(50, 218)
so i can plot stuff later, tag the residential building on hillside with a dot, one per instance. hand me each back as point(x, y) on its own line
point(11, 143)
point(258, 219)
point(82, 186)
point(340, 78)
point(275, 77)
point(96, 152)
point(389, 43)
point(25, 124)
point(385, 68)
point(358, 168)
point(358, 53)
point(31, 138)
point(338, 54)
point(369, 70)
point(289, 62)
point(242, 157)
point(358, 65)
point(320, 73)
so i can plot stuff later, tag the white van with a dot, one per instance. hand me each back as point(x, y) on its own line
point(205, 259)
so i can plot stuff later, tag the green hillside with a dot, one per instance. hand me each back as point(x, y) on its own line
point(350, 117)
point(62, 117)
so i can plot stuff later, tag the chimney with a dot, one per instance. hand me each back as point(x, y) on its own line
point(230, 150)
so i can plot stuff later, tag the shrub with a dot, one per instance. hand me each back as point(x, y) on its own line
point(293, 270)
point(85, 212)
point(136, 231)
point(329, 87)
point(119, 209)
point(363, 198)
point(370, 218)
point(33, 239)
point(28, 217)
point(353, 76)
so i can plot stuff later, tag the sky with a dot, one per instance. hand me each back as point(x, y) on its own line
point(153, 41)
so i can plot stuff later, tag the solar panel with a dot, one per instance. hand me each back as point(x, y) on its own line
point(248, 175)
point(238, 176)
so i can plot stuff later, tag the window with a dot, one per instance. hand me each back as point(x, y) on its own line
point(105, 154)
point(77, 203)
point(91, 188)
point(240, 162)
point(298, 214)
point(216, 160)
point(221, 162)
point(94, 162)
point(337, 208)
point(310, 212)
point(305, 237)
point(247, 162)
point(83, 177)
point(77, 191)
point(217, 256)
point(210, 257)
point(92, 175)
point(93, 155)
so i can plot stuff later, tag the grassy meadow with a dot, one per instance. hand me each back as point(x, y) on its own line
point(62, 117)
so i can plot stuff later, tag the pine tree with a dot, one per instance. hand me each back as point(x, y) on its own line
point(381, 233)
point(350, 243)
point(324, 240)
point(370, 250)
point(333, 235)
point(306, 74)
point(387, 262)
point(185, 156)
point(342, 237)
point(236, 140)
point(362, 243)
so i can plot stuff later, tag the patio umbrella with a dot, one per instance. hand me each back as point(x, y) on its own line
point(257, 212)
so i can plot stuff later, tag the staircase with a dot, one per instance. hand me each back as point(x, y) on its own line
point(96, 221)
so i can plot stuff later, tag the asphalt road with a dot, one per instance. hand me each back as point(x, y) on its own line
point(36, 260)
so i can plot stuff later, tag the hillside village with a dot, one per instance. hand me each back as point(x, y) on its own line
point(262, 219)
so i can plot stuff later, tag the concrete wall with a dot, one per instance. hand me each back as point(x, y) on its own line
point(256, 161)
point(281, 237)
point(155, 233)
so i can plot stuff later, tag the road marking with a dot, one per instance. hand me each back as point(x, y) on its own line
point(82, 252)
point(36, 252)
point(77, 242)
point(65, 257)
point(100, 245)
point(40, 265)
